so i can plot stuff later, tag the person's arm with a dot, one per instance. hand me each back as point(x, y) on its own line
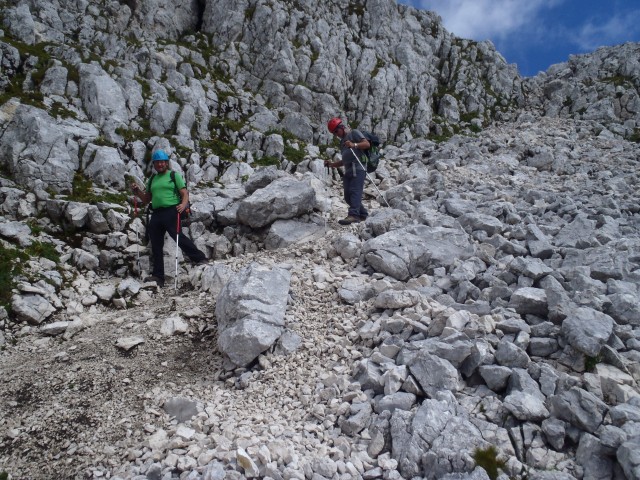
point(141, 194)
point(337, 164)
point(361, 144)
point(184, 200)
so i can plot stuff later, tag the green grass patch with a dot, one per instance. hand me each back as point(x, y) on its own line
point(488, 459)
point(591, 362)
point(11, 260)
point(293, 154)
point(619, 81)
point(266, 160)
point(59, 110)
point(376, 69)
point(218, 147)
point(84, 192)
point(43, 249)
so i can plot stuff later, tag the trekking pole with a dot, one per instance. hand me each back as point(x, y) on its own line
point(135, 209)
point(369, 177)
point(175, 286)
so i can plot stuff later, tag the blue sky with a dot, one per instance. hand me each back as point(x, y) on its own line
point(535, 34)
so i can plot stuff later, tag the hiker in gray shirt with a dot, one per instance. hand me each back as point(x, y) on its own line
point(352, 146)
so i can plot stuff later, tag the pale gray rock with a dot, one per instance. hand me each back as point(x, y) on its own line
point(578, 407)
point(357, 289)
point(214, 278)
point(347, 245)
point(510, 355)
point(250, 312)
point(591, 455)
point(530, 267)
point(495, 376)
point(55, 328)
point(284, 198)
point(478, 221)
point(129, 286)
point(183, 409)
point(55, 80)
point(391, 402)
point(283, 233)
point(34, 147)
point(559, 303)
point(288, 342)
point(19, 23)
point(624, 308)
point(457, 207)
point(526, 407)
point(386, 220)
point(628, 455)
point(413, 251)
point(105, 292)
point(84, 260)
point(621, 414)
point(17, 231)
point(162, 116)
point(361, 415)
point(395, 299)
point(434, 374)
point(127, 343)
point(609, 262)
point(31, 308)
point(554, 431)
point(438, 428)
point(529, 300)
point(450, 349)
point(235, 174)
point(587, 330)
point(106, 168)
point(448, 108)
point(102, 97)
point(369, 375)
point(261, 177)
point(174, 325)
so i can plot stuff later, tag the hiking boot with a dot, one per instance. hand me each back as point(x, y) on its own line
point(349, 220)
point(204, 261)
point(153, 278)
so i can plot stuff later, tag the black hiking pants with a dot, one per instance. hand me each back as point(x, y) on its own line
point(162, 221)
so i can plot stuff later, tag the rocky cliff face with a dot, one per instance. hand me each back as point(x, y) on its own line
point(483, 319)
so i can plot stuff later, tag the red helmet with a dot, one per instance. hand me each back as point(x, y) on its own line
point(333, 124)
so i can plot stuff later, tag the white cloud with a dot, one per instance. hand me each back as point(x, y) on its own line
point(482, 19)
point(614, 30)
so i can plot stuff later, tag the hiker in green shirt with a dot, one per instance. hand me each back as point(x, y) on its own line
point(169, 197)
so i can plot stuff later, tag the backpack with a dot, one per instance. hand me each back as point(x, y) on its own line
point(373, 153)
point(186, 214)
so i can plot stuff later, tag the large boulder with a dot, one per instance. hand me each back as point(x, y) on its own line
point(415, 250)
point(102, 97)
point(35, 148)
point(250, 312)
point(284, 198)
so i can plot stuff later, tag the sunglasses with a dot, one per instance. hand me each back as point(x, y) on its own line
point(339, 127)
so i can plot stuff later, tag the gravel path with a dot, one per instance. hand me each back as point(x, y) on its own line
point(82, 408)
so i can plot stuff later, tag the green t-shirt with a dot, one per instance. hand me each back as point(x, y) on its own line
point(163, 190)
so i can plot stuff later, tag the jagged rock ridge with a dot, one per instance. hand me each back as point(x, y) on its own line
point(495, 300)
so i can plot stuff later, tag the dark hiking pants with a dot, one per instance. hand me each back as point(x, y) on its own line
point(353, 188)
point(164, 220)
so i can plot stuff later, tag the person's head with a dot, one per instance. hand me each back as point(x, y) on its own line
point(160, 161)
point(336, 127)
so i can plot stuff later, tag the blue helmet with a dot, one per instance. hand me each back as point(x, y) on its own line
point(159, 155)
